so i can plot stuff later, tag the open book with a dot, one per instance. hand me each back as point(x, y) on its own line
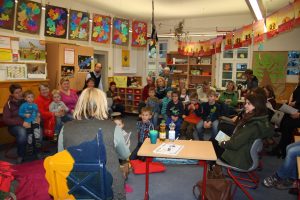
point(168, 149)
point(221, 136)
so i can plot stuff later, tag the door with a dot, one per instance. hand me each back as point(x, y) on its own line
point(102, 57)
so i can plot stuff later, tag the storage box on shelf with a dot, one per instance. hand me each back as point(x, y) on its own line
point(194, 70)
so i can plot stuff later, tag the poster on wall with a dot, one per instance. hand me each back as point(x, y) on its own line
point(7, 13)
point(285, 18)
point(28, 17)
point(270, 68)
point(125, 58)
point(56, 21)
point(31, 49)
point(16, 71)
point(258, 31)
point(120, 31)
point(101, 29)
point(4, 42)
point(293, 66)
point(69, 56)
point(84, 63)
point(79, 25)
point(36, 70)
point(67, 71)
point(139, 34)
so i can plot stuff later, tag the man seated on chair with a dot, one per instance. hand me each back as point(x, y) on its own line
point(255, 124)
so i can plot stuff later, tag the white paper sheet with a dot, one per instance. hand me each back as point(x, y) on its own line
point(221, 136)
point(168, 149)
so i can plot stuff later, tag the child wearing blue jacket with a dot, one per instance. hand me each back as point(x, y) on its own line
point(28, 111)
point(154, 103)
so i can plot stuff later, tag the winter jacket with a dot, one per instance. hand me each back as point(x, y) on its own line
point(229, 95)
point(237, 149)
point(11, 112)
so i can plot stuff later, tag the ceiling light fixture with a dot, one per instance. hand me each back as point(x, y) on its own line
point(255, 9)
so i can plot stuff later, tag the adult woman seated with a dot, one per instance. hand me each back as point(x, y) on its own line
point(68, 95)
point(161, 88)
point(90, 114)
point(253, 125)
point(229, 99)
point(48, 119)
point(16, 125)
point(117, 105)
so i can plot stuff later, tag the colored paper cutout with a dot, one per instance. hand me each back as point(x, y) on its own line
point(7, 14)
point(125, 58)
point(121, 81)
point(28, 17)
point(120, 31)
point(101, 29)
point(56, 22)
point(79, 25)
point(139, 34)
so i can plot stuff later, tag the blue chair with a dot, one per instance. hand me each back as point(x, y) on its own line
point(90, 179)
point(252, 177)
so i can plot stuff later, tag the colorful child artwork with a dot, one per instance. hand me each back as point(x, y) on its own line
point(125, 58)
point(79, 25)
point(139, 34)
point(120, 31)
point(56, 22)
point(7, 14)
point(31, 49)
point(101, 29)
point(67, 71)
point(28, 17)
point(84, 63)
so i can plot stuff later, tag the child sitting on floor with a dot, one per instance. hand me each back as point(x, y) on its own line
point(164, 104)
point(29, 113)
point(120, 123)
point(211, 114)
point(143, 130)
point(176, 120)
point(184, 97)
point(175, 104)
point(191, 117)
point(153, 103)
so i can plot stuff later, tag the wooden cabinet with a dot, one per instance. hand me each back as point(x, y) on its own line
point(130, 98)
point(192, 70)
point(32, 85)
point(56, 53)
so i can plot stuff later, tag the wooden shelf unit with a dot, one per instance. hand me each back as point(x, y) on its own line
point(131, 98)
point(195, 69)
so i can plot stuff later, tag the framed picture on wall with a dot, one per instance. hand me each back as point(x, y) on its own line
point(67, 71)
point(84, 63)
point(16, 71)
point(36, 70)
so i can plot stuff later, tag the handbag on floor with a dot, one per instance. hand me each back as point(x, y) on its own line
point(217, 187)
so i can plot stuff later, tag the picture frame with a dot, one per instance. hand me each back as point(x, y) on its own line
point(16, 71)
point(36, 70)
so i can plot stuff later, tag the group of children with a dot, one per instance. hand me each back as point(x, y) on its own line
point(29, 112)
point(186, 116)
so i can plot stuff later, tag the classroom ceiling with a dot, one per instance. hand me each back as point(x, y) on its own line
point(179, 9)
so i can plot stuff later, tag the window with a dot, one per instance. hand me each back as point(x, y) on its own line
point(233, 64)
point(156, 57)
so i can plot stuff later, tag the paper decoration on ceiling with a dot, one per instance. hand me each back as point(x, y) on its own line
point(31, 49)
point(101, 29)
point(247, 35)
point(28, 17)
point(296, 6)
point(258, 31)
point(285, 18)
point(228, 41)
point(120, 31)
point(79, 25)
point(272, 25)
point(238, 34)
point(7, 14)
point(139, 34)
point(56, 22)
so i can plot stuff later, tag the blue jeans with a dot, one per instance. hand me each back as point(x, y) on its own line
point(21, 137)
point(200, 129)
point(155, 119)
point(59, 122)
point(289, 167)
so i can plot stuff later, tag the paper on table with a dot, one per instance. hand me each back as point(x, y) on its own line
point(288, 109)
point(221, 136)
point(168, 149)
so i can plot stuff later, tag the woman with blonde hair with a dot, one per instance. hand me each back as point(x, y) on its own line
point(161, 88)
point(90, 115)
